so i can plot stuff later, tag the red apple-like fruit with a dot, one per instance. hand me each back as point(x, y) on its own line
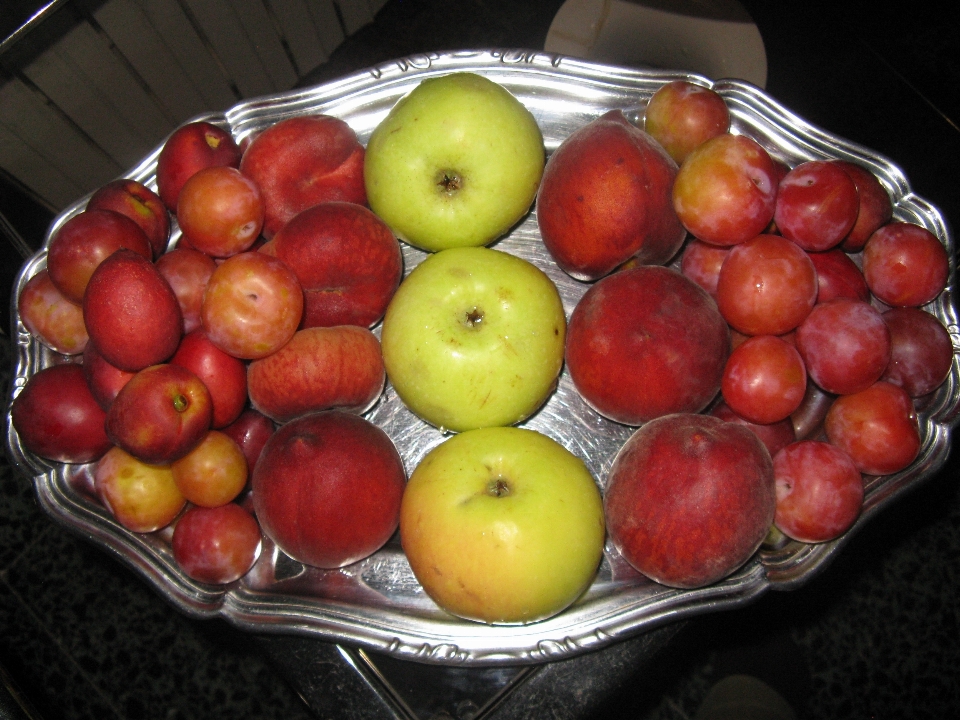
point(131, 312)
point(224, 375)
point(838, 276)
point(252, 306)
point(220, 211)
point(819, 491)
point(347, 260)
point(213, 473)
point(726, 190)
point(57, 417)
point(141, 496)
point(875, 209)
point(921, 350)
point(216, 545)
point(683, 115)
point(319, 369)
point(302, 161)
point(250, 431)
point(139, 203)
point(877, 427)
point(689, 499)
point(646, 342)
point(328, 487)
point(605, 198)
point(774, 436)
point(701, 263)
point(105, 380)
point(47, 315)
point(161, 414)
point(188, 271)
point(190, 148)
point(817, 205)
point(86, 240)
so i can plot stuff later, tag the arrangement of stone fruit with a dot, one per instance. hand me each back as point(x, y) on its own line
point(761, 326)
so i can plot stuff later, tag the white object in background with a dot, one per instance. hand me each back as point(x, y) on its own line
point(716, 38)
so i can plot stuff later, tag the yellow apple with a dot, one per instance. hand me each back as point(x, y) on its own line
point(473, 338)
point(502, 525)
point(457, 162)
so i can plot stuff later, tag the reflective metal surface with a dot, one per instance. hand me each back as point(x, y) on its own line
point(377, 603)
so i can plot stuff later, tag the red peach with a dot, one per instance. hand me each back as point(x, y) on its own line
point(605, 198)
point(689, 499)
point(347, 260)
point(319, 369)
point(328, 487)
point(302, 161)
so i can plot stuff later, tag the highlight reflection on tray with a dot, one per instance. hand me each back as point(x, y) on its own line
point(377, 602)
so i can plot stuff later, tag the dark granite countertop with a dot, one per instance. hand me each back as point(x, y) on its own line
point(877, 634)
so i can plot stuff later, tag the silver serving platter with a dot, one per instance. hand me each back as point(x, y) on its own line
point(377, 603)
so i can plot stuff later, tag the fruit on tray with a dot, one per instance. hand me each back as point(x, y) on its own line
point(224, 376)
point(161, 414)
point(216, 545)
point(319, 369)
point(57, 417)
point(502, 525)
point(213, 473)
point(646, 342)
point(188, 271)
point(456, 163)
point(877, 427)
point(327, 488)
point(474, 338)
point(690, 498)
point(252, 305)
point(764, 380)
point(86, 240)
point(139, 203)
point(682, 115)
point(726, 190)
point(606, 199)
point(131, 313)
point(143, 497)
point(302, 161)
point(104, 379)
point(767, 286)
point(905, 265)
point(237, 339)
point(50, 317)
point(819, 491)
point(875, 208)
point(921, 351)
point(845, 345)
point(347, 261)
point(220, 211)
point(188, 149)
point(817, 205)
point(250, 431)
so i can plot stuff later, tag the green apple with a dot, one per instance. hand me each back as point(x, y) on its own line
point(474, 337)
point(502, 525)
point(456, 163)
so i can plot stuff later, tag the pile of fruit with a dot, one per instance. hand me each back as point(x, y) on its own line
point(218, 384)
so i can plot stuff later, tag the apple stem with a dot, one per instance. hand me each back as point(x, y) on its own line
point(450, 182)
point(474, 317)
point(180, 403)
point(498, 488)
